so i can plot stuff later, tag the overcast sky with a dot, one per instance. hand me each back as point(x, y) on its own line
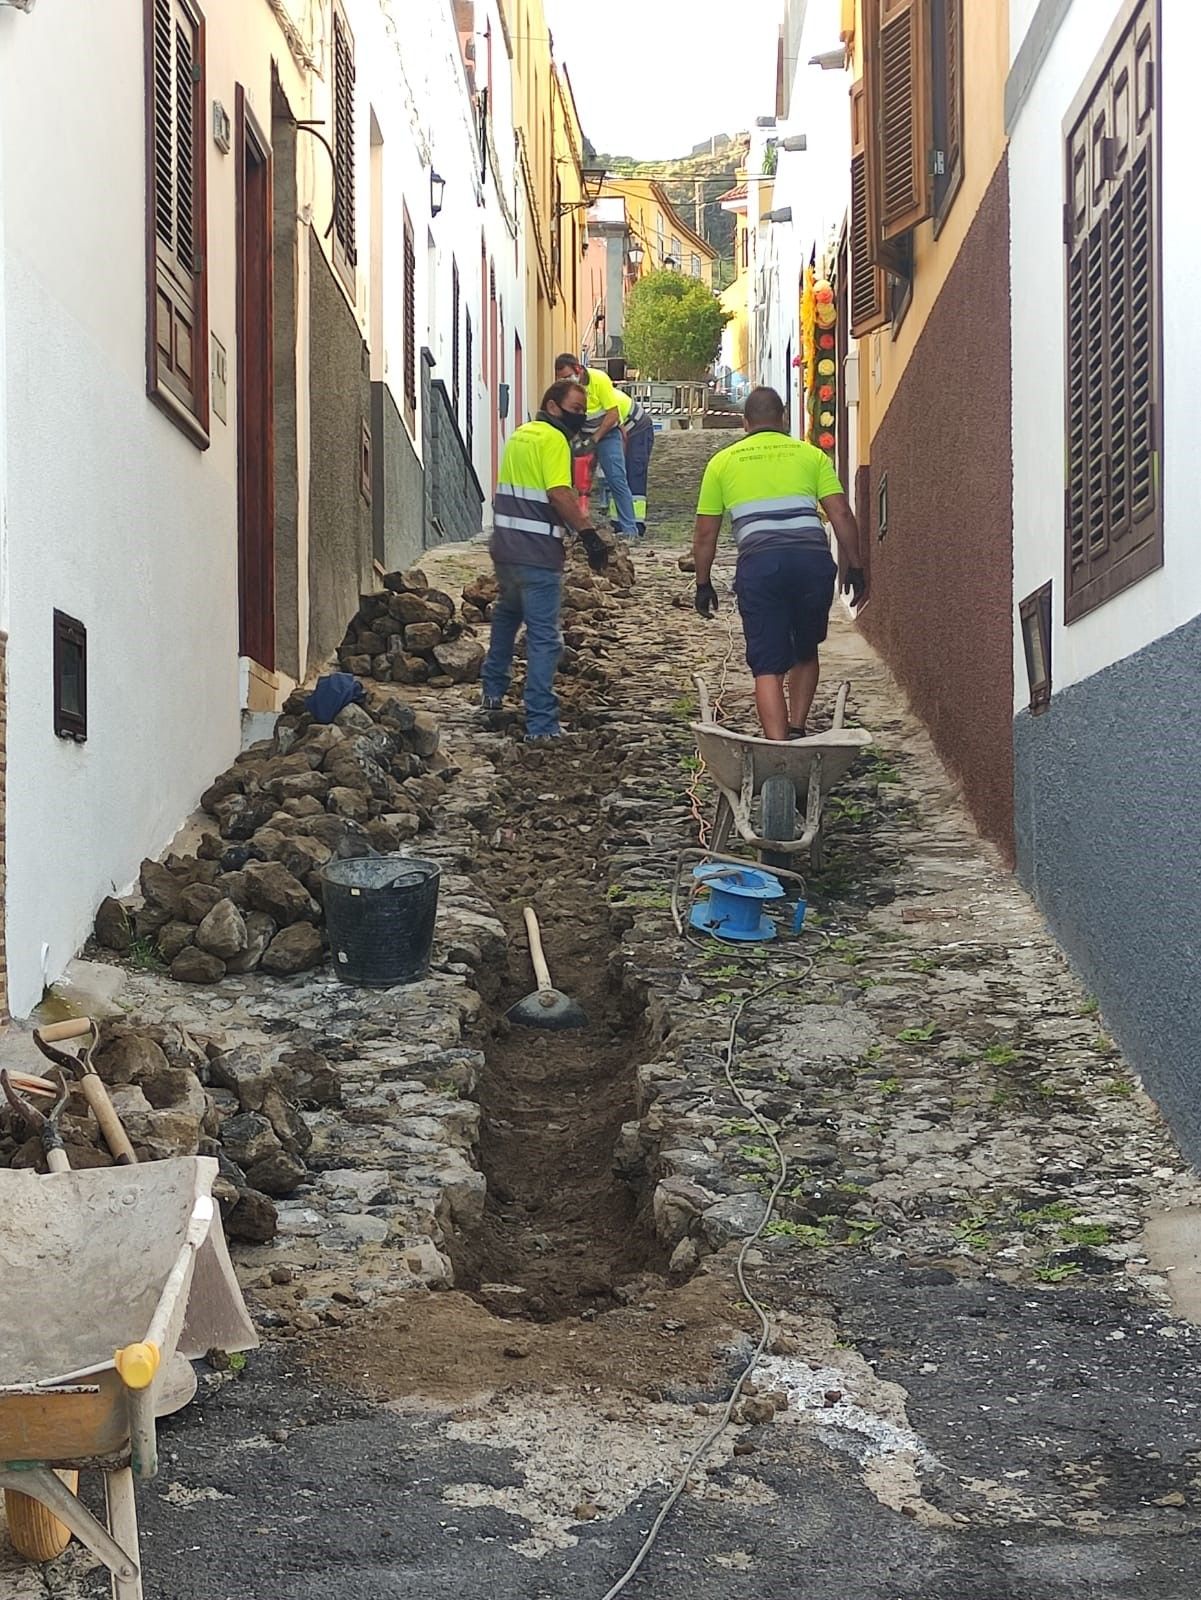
point(654, 77)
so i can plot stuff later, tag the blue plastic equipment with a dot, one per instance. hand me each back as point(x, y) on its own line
point(734, 908)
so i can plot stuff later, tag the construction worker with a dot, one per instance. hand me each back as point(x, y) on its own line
point(604, 430)
point(772, 485)
point(638, 426)
point(534, 503)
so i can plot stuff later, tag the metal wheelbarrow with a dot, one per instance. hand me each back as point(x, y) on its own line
point(790, 780)
point(114, 1278)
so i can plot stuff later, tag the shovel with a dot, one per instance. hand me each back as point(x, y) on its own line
point(546, 1007)
point(90, 1083)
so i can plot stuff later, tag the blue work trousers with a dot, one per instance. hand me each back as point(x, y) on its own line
point(531, 595)
point(610, 453)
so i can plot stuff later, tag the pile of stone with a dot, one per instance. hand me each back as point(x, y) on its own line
point(408, 633)
point(586, 598)
point(251, 895)
point(179, 1095)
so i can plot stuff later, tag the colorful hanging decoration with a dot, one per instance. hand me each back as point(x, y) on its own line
point(819, 314)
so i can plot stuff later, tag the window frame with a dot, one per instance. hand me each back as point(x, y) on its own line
point(947, 184)
point(192, 419)
point(456, 351)
point(1102, 575)
point(70, 631)
point(1034, 616)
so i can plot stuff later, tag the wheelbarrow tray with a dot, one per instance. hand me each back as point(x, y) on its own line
point(90, 1260)
point(725, 755)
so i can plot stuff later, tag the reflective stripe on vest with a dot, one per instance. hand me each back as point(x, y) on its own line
point(524, 510)
point(793, 515)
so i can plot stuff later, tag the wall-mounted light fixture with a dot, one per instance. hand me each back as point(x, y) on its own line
point(831, 60)
point(636, 255)
point(795, 141)
point(671, 261)
point(781, 214)
point(437, 190)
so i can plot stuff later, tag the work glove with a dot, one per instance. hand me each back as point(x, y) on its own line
point(854, 583)
point(595, 549)
point(706, 600)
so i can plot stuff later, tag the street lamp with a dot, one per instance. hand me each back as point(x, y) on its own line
point(437, 190)
point(636, 255)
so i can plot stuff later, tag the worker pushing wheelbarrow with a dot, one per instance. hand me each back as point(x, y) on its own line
point(115, 1279)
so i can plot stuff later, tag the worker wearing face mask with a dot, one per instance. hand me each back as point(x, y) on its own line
point(534, 505)
point(604, 421)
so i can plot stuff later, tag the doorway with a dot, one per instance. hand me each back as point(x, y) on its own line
point(256, 472)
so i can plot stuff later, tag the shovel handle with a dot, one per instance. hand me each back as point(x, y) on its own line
point(91, 1087)
point(72, 1028)
point(534, 934)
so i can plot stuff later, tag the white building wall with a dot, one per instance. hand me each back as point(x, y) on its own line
point(113, 515)
point(1171, 596)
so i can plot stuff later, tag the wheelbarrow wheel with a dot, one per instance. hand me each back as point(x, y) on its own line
point(777, 819)
point(33, 1529)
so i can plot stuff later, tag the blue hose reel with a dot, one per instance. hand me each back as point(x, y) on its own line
point(734, 908)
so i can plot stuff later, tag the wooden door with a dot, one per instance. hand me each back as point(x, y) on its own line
point(256, 497)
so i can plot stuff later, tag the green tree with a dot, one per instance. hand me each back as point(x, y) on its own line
point(672, 326)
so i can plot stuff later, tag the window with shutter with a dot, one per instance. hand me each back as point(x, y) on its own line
point(456, 311)
point(345, 252)
point(867, 285)
point(1113, 510)
point(946, 84)
point(469, 390)
point(897, 83)
point(176, 268)
point(410, 324)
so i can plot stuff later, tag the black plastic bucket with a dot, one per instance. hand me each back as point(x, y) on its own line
point(379, 913)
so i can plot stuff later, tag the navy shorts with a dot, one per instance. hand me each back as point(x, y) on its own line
point(784, 597)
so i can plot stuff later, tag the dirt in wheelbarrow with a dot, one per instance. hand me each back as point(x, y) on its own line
point(560, 1229)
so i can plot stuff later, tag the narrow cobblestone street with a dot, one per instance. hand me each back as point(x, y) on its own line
point(981, 1383)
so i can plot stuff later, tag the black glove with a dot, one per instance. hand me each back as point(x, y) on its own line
point(854, 583)
point(595, 549)
point(706, 600)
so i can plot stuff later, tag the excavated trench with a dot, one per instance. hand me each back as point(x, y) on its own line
point(561, 1231)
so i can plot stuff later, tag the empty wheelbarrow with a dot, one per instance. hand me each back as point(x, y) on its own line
point(112, 1277)
point(789, 779)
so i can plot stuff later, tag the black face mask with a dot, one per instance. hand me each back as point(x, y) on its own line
point(568, 422)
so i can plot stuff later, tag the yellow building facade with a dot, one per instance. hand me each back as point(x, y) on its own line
point(653, 223)
point(552, 200)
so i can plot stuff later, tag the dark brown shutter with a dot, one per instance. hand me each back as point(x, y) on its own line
point(1112, 508)
point(456, 311)
point(344, 206)
point(946, 86)
point(867, 285)
point(175, 155)
point(897, 81)
point(469, 389)
point(410, 323)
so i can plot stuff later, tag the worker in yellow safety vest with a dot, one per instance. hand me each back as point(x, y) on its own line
point(772, 485)
point(605, 432)
point(534, 505)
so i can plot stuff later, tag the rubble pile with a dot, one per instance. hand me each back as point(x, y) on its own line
point(587, 597)
point(408, 633)
point(251, 895)
point(177, 1094)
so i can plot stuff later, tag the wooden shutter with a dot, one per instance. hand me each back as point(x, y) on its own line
point(177, 364)
point(345, 251)
point(867, 286)
point(456, 311)
point(946, 68)
point(469, 389)
point(410, 323)
point(897, 81)
point(1112, 502)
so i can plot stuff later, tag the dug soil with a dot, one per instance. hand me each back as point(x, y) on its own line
point(559, 1225)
